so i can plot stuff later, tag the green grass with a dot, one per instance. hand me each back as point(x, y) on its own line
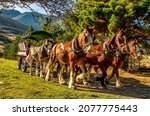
point(15, 84)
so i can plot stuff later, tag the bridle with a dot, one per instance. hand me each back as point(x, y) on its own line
point(75, 46)
point(116, 51)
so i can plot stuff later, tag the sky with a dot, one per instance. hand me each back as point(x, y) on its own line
point(33, 6)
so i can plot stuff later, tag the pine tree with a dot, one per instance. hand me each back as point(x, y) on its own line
point(109, 15)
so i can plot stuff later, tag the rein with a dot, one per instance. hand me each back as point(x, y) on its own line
point(81, 50)
point(113, 51)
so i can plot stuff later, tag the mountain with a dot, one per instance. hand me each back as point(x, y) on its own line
point(10, 13)
point(9, 28)
point(28, 19)
point(8, 25)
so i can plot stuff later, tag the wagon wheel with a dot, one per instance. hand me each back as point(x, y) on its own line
point(19, 62)
point(24, 66)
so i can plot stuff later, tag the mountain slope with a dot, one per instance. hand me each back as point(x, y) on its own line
point(7, 25)
point(28, 19)
point(10, 13)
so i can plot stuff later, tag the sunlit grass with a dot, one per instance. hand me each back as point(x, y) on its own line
point(16, 84)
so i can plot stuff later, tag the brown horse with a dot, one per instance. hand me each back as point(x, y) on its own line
point(134, 53)
point(101, 52)
point(72, 53)
point(112, 59)
point(115, 42)
point(97, 57)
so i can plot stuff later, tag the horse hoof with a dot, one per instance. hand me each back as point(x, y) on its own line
point(41, 76)
point(47, 79)
point(119, 85)
point(52, 75)
point(106, 81)
point(63, 83)
point(79, 81)
point(37, 75)
point(104, 87)
point(85, 83)
point(72, 87)
point(98, 79)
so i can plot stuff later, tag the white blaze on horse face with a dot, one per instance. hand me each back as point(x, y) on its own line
point(91, 41)
point(50, 45)
point(90, 46)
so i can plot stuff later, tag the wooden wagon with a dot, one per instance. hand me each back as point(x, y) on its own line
point(23, 50)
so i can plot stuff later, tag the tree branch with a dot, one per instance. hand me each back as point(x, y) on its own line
point(52, 7)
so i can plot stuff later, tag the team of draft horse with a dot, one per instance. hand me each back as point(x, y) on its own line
point(80, 54)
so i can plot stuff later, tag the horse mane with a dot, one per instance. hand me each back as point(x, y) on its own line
point(43, 50)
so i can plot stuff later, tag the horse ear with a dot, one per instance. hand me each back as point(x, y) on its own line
point(136, 41)
point(122, 30)
point(93, 27)
point(87, 27)
point(46, 41)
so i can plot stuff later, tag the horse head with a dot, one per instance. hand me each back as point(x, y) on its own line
point(134, 49)
point(122, 41)
point(123, 49)
point(86, 39)
point(48, 44)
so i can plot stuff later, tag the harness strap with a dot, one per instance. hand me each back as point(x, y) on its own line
point(110, 39)
point(106, 47)
point(75, 46)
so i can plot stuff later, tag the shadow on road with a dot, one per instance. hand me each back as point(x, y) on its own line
point(132, 88)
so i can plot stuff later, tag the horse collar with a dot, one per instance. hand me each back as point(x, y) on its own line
point(75, 45)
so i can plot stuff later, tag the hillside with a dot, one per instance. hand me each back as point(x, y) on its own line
point(27, 18)
point(8, 25)
point(9, 28)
